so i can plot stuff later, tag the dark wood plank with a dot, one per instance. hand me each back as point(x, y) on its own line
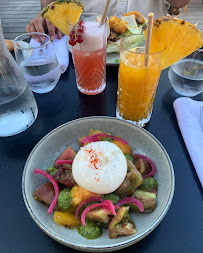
point(12, 36)
point(20, 8)
point(15, 24)
point(12, 29)
point(16, 15)
point(21, 16)
point(14, 20)
point(23, 12)
point(16, 4)
point(20, 2)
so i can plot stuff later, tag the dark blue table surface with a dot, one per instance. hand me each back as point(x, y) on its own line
point(182, 228)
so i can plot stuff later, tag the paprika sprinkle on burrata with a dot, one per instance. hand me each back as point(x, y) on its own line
point(99, 167)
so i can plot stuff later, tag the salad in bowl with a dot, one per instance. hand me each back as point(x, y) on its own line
point(97, 187)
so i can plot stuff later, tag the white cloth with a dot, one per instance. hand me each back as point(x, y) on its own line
point(120, 7)
point(61, 51)
point(188, 117)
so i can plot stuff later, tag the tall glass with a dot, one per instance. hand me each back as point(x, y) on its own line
point(89, 56)
point(137, 81)
point(37, 61)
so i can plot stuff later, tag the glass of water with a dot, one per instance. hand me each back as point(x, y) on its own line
point(37, 61)
point(186, 76)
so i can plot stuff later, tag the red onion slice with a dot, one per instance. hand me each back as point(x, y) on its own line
point(55, 185)
point(89, 139)
point(61, 162)
point(153, 166)
point(58, 172)
point(86, 202)
point(95, 137)
point(132, 200)
point(111, 206)
point(106, 204)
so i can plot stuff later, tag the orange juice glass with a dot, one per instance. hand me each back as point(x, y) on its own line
point(137, 81)
point(89, 56)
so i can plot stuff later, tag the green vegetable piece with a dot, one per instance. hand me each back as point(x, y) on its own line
point(135, 41)
point(149, 184)
point(91, 231)
point(100, 215)
point(113, 197)
point(117, 61)
point(129, 157)
point(132, 181)
point(131, 166)
point(142, 165)
point(121, 224)
point(64, 200)
point(51, 171)
point(107, 139)
point(148, 200)
point(83, 207)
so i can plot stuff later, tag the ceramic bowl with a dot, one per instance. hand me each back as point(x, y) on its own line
point(140, 140)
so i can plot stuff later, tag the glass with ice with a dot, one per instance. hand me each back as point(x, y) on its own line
point(186, 76)
point(88, 41)
point(37, 61)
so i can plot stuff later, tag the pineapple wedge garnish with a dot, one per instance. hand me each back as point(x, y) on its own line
point(178, 37)
point(62, 12)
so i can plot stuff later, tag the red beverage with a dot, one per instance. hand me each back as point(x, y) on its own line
point(89, 54)
point(90, 70)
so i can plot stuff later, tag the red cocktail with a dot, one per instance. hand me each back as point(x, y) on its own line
point(89, 54)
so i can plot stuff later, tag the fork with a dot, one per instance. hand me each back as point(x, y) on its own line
point(201, 116)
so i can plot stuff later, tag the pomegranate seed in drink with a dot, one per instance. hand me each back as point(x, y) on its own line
point(72, 42)
point(72, 34)
point(80, 29)
point(79, 39)
point(81, 23)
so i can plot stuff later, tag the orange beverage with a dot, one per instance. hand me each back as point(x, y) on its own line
point(89, 55)
point(137, 83)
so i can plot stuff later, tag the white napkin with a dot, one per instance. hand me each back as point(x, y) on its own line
point(60, 49)
point(188, 117)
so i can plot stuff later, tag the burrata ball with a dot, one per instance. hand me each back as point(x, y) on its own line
point(99, 167)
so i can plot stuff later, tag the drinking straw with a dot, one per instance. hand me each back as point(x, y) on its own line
point(148, 37)
point(105, 11)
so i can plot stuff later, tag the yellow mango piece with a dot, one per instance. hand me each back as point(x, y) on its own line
point(66, 219)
